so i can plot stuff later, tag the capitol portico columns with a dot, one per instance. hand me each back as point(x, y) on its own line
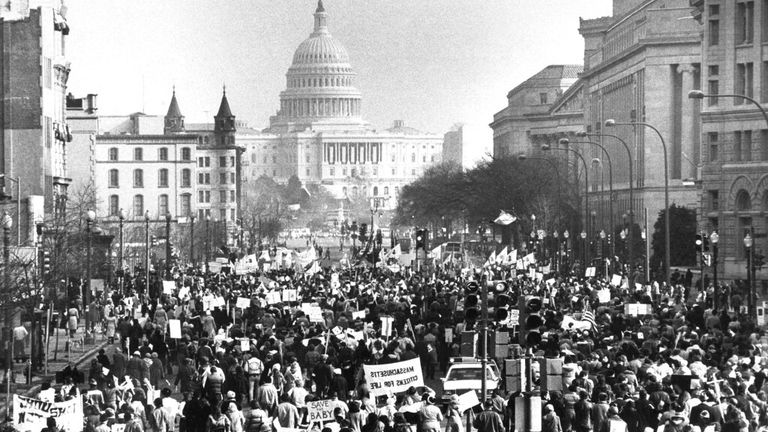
point(687, 124)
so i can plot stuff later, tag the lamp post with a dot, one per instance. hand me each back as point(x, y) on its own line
point(121, 218)
point(192, 239)
point(584, 245)
point(715, 238)
point(748, 243)
point(610, 179)
point(207, 240)
point(631, 192)
point(698, 94)
point(7, 224)
point(566, 234)
point(168, 246)
point(546, 147)
point(146, 251)
point(90, 217)
point(612, 122)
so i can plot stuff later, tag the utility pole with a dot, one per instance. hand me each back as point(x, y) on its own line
point(484, 338)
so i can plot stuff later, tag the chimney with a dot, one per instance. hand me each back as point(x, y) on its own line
point(90, 103)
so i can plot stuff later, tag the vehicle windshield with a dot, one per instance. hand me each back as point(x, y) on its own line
point(468, 374)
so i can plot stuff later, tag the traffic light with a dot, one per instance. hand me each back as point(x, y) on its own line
point(353, 228)
point(154, 241)
point(421, 238)
point(699, 243)
point(501, 301)
point(705, 240)
point(45, 263)
point(533, 321)
point(471, 311)
point(363, 230)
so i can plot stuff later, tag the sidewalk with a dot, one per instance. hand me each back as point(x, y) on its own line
point(58, 359)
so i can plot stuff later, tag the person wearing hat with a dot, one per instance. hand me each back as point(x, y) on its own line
point(136, 368)
point(430, 415)
point(488, 420)
point(453, 421)
point(550, 422)
point(339, 384)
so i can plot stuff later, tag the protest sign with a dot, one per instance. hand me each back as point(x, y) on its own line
point(616, 280)
point(449, 335)
point(243, 302)
point(214, 267)
point(321, 410)
point(290, 295)
point(175, 328)
point(358, 315)
point(514, 317)
point(468, 400)
point(273, 297)
point(393, 377)
point(183, 292)
point(168, 287)
point(313, 311)
point(590, 272)
point(245, 344)
point(97, 285)
point(386, 325)
point(30, 415)
point(604, 296)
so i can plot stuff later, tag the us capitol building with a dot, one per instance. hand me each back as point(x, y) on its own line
point(319, 134)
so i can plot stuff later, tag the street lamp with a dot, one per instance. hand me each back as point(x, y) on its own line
point(7, 224)
point(207, 240)
point(121, 217)
point(611, 123)
point(748, 243)
point(90, 217)
point(566, 234)
point(610, 175)
point(564, 141)
point(631, 192)
point(715, 238)
point(168, 246)
point(698, 94)
point(192, 239)
point(146, 250)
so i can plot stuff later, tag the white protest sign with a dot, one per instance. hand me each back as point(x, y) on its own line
point(243, 302)
point(468, 400)
point(393, 377)
point(514, 317)
point(214, 267)
point(616, 280)
point(321, 410)
point(30, 415)
point(183, 292)
point(358, 315)
point(273, 297)
point(117, 427)
point(175, 328)
point(604, 296)
point(245, 344)
point(386, 325)
point(168, 287)
point(290, 295)
point(313, 311)
point(590, 272)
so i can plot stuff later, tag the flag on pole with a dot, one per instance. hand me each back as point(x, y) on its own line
point(512, 257)
point(491, 259)
point(435, 253)
point(501, 257)
point(504, 218)
point(395, 252)
point(589, 317)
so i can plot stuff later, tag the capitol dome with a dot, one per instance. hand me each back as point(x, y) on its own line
point(320, 83)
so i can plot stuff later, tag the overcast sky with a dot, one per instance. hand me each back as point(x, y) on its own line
point(431, 63)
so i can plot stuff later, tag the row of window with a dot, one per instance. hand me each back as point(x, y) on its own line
point(224, 161)
point(343, 81)
point(224, 178)
point(202, 214)
point(744, 23)
point(138, 154)
point(739, 146)
point(138, 178)
point(363, 191)
point(205, 196)
point(138, 206)
point(743, 83)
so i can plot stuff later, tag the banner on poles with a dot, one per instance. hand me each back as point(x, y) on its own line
point(393, 377)
point(30, 415)
point(320, 411)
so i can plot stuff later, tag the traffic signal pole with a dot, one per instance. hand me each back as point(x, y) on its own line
point(484, 336)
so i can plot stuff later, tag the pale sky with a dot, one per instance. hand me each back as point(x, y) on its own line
point(431, 63)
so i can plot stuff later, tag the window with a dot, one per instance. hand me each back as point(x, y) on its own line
point(138, 154)
point(386, 190)
point(764, 80)
point(200, 196)
point(207, 161)
point(424, 159)
point(232, 196)
point(114, 178)
point(713, 138)
point(222, 178)
point(413, 157)
point(232, 178)
point(746, 145)
point(714, 200)
point(413, 172)
point(113, 154)
point(714, 32)
point(207, 196)
point(222, 214)
point(186, 178)
point(231, 161)
point(714, 70)
point(162, 205)
point(200, 178)
point(764, 21)
point(375, 191)
point(162, 154)
point(222, 161)
point(744, 22)
point(186, 204)
point(743, 82)
point(223, 196)
point(332, 171)
point(200, 162)
point(186, 154)
point(764, 144)
point(138, 178)
point(253, 157)
point(713, 89)
point(743, 200)
point(162, 178)
point(543, 98)
point(274, 159)
point(306, 157)
point(232, 214)
point(114, 205)
point(307, 172)
point(138, 206)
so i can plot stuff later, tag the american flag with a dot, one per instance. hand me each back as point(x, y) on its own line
point(589, 317)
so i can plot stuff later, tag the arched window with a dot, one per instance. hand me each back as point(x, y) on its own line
point(138, 206)
point(162, 178)
point(162, 205)
point(743, 201)
point(186, 204)
point(114, 205)
point(114, 178)
point(186, 177)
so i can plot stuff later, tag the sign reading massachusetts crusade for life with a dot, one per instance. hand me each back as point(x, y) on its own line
point(393, 377)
